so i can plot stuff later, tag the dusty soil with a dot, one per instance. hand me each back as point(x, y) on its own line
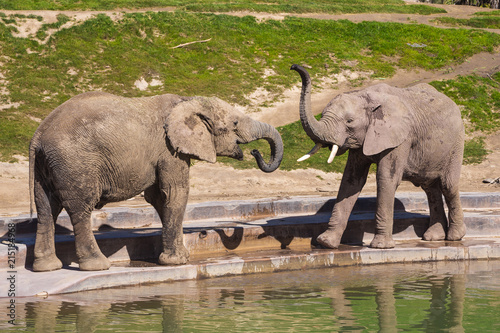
point(211, 182)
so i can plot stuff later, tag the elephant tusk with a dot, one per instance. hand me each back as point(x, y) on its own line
point(303, 158)
point(333, 153)
point(313, 151)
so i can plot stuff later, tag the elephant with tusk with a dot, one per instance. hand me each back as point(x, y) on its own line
point(413, 134)
point(98, 148)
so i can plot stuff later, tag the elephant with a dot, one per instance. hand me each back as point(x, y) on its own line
point(98, 148)
point(414, 134)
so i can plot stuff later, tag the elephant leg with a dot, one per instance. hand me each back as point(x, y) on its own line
point(389, 175)
point(456, 227)
point(48, 208)
point(438, 222)
point(353, 180)
point(450, 185)
point(170, 203)
point(170, 200)
point(90, 257)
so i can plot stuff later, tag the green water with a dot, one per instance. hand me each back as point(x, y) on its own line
point(433, 297)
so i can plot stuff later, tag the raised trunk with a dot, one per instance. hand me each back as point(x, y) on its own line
point(258, 130)
point(313, 128)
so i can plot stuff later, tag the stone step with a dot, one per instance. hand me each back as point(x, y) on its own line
point(213, 238)
point(242, 210)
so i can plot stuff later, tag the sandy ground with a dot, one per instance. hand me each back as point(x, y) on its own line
point(210, 182)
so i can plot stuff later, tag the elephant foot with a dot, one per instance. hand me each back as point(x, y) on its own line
point(45, 264)
point(455, 232)
point(382, 242)
point(97, 263)
point(329, 239)
point(435, 232)
point(174, 257)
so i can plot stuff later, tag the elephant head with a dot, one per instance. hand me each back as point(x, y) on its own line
point(204, 128)
point(372, 119)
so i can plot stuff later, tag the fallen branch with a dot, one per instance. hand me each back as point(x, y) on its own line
point(491, 181)
point(196, 41)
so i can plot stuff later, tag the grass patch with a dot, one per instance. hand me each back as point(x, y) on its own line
point(61, 20)
point(475, 151)
point(322, 6)
point(102, 54)
point(479, 98)
point(276, 6)
point(15, 134)
point(483, 22)
point(488, 13)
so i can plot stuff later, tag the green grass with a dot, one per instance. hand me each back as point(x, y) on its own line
point(102, 54)
point(321, 6)
point(276, 6)
point(479, 98)
point(488, 13)
point(484, 22)
point(15, 133)
point(475, 151)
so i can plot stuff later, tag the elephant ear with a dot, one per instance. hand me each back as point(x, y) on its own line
point(188, 129)
point(389, 124)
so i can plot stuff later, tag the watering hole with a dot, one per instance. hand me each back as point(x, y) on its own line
point(439, 296)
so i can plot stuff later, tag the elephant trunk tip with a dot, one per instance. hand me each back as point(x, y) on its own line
point(301, 70)
point(262, 164)
point(304, 75)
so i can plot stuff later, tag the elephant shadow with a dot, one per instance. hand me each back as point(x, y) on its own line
point(361, 224)
point(121, 244)
point(140, 246)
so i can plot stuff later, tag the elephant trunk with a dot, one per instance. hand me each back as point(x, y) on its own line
point(258, 130)
point(313, 128)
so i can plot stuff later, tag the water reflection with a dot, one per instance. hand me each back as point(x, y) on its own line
point(386, 298)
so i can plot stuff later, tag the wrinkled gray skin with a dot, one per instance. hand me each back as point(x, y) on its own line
point(413, 134)
point(98, 148)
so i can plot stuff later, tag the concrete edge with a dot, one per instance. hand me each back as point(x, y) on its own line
point(217, 238)
point(245, 209)
point(72, 280)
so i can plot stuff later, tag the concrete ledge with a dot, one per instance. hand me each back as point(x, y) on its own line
point(71, 280)
point(243, 210)
point(261, 225)
point(215, 238)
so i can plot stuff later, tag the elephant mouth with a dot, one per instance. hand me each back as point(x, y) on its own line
point(238, 154)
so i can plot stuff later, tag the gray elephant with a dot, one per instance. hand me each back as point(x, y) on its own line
point(413, 134)
point(98, 148)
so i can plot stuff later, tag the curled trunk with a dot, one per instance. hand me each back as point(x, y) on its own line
point(258, 130)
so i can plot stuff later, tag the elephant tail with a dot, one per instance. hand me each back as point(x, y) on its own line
point(32, 158)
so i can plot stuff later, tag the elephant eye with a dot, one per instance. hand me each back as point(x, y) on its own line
point(350, 120)
point(235, 123)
